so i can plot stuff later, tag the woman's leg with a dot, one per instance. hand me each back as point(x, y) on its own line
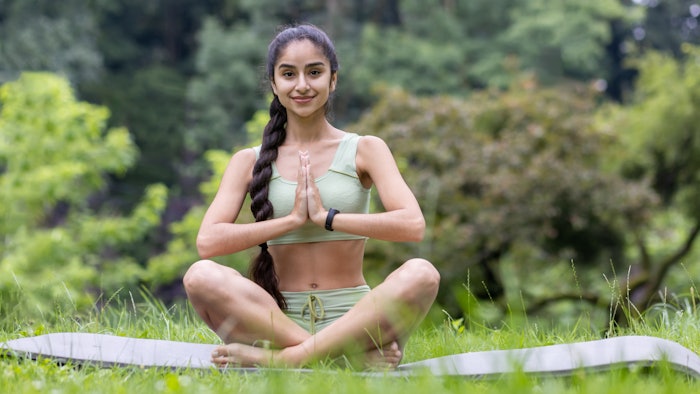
point(386, 316)
point(242, 313)
point(237, 309)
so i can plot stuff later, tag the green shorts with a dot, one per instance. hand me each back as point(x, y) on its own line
point(316, 310)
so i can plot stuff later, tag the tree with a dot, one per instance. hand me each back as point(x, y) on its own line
point(164, 271)
point(512, 176)
point(556, 40)
point(148, 52)
point(54, 155)
point(667, 25)
point(45, 35)
point(661, 130)
point(420, 65)
point(228, 87)
point(564, 38)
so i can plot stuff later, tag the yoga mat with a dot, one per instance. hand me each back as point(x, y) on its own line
point(562, 359)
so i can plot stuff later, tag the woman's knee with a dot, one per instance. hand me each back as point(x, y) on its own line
point(203, 275)
point(424, 272)
point(419, 279)
point(196, 273)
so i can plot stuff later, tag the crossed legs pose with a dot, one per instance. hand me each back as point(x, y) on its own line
point(244, 315)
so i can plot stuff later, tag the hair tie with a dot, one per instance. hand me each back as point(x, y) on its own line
point(263, 246)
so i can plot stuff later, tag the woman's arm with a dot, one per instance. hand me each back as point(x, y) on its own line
point(219, 234)
point(402, 219)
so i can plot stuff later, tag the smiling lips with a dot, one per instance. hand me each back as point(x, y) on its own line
point(302, 99)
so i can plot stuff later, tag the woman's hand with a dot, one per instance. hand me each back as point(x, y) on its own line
point(316, 212)
point(301, 210)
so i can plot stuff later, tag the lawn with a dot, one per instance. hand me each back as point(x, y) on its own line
point(151, 319)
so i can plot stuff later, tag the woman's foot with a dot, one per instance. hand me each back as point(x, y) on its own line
point(241, 355)
point(387, 358)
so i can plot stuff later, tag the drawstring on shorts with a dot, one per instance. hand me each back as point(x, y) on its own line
point(314, 310)
point(314, 305)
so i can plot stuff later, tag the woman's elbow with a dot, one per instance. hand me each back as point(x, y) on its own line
point(416, 229)
point(204, 247)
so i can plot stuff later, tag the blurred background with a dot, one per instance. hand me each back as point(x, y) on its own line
point(554, 145)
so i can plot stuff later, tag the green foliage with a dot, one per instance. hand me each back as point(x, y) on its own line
point(41, 36)
point(563, 37)
point(150, 100)
point(500, 170)
point(54, 155)
point(555, 40)
point(474, 28)
point(422, 66)
point(668, 25)
point(53, 149)
point(659, 128)
point(664, 105)
point(181, 250)
point(226, 91)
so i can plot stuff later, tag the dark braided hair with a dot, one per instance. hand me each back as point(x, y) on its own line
point(262, 270)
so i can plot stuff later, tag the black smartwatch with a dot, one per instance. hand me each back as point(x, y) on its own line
point(329, 218)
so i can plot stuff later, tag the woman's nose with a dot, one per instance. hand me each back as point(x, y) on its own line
point(302, 84)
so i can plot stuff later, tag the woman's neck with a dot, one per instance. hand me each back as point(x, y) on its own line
point(308, 130)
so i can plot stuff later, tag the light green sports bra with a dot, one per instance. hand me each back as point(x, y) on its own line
point(340, 188)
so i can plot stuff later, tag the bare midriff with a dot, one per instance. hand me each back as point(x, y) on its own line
point(319, 265)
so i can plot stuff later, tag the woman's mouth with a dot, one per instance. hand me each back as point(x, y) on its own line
point(302, 99)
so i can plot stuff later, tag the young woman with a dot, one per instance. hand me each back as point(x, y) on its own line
point(309, 182)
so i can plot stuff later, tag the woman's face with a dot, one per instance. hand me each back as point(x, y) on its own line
point(302, 79)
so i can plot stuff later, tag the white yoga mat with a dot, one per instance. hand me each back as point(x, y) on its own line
point(562, 359)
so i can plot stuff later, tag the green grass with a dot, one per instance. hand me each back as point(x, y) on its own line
point(152, 319)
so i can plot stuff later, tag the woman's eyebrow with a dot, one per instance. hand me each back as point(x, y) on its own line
point(315, 64)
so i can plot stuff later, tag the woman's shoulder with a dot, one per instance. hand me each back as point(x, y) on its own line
point(247, 154)
point(243, 160)
point(372, 152)
point(370, 143)
point(362, 138)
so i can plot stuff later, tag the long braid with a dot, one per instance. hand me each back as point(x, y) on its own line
point(262, 270)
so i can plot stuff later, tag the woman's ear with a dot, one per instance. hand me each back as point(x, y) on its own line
point(274, 87)
point(334, 80)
